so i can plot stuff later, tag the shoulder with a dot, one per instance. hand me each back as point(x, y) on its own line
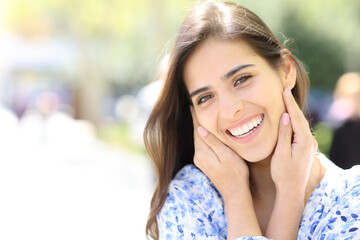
point(192, 187)
point(338, 184)
point(192, 182)
point(193, 207)
point(333, 210)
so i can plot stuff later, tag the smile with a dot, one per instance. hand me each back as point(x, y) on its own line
point(246, 129)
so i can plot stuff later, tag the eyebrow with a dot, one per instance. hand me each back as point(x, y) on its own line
point(196, 92)
point(233, 71)
point(228, 75)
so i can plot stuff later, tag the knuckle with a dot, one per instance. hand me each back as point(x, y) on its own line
point(296, 115)
point(308, 139)
point(288, 131)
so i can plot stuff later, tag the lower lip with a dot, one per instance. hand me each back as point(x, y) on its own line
point(251, 136)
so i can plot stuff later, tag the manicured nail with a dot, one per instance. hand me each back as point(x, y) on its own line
point(202, 131)
point(285, 119)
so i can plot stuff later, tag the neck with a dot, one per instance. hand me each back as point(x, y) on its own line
point(261, 183)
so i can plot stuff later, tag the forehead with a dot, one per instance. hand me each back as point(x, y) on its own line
point(213, 58)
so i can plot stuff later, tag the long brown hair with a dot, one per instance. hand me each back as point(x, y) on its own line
point(168, 134)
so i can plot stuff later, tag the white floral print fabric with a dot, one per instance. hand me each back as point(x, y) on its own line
point(194, 209)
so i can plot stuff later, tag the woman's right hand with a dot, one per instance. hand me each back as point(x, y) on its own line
point(225, 168)
point(230, 174)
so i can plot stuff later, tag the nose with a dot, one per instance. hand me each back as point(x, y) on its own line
point(230, 105)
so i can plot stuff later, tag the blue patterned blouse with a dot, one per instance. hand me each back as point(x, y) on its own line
point(194, 209)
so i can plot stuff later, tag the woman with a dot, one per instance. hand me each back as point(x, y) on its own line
point(232, 104)
point(345, 151)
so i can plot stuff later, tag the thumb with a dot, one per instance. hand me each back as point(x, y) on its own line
point(283, 146)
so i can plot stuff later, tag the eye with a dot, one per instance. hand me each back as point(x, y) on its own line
point(241, 80)
point(204, 98)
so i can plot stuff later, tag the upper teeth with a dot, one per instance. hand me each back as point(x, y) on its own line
point(247, 126)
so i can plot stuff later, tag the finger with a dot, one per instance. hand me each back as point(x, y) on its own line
point(283, 147)
point(204, 157)
point(219, 148)
point(299, 123)
point(203, 137)
point(198, 142)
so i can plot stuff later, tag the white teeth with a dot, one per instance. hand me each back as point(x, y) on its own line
point(254, 123)
point(258, 121)
point(247, 128)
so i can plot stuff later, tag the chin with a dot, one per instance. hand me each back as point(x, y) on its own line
point(257, 155)
point(255, 159)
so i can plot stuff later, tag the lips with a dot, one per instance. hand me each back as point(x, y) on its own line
point(247, 128)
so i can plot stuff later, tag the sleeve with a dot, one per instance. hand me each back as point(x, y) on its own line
point(344, 221)
point(182, 217)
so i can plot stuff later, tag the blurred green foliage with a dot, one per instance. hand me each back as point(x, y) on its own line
point(120, 136)
point(323, 134)
point(324, 57)
point(127, 38)
point(121, 42)
point(323, 34)
point(121, 39)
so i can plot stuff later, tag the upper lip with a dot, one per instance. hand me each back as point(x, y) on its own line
point(243, 122)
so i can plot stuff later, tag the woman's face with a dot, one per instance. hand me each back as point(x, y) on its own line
point(237, 96)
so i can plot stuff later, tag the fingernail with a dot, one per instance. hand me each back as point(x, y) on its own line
point(191, 108)
point(202, 131)
point(285, 119)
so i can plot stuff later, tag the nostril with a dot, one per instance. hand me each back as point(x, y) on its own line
point(230, 106)
point(237, 113)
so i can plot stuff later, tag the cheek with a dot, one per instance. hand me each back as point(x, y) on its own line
point(278, 103)
point(275, 100)
point(275, 111)
point(205, 120)
point(208, 120)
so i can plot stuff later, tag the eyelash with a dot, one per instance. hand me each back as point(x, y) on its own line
point(240, 80)
point(204, 99)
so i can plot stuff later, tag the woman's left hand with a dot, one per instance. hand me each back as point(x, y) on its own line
point(290, 170)
point(295, 149)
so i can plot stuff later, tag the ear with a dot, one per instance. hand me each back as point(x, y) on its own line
point(288, 69)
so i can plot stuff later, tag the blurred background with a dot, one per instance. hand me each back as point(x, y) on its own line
point(78, 80)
